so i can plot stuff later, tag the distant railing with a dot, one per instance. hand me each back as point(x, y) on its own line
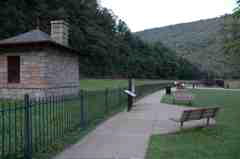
point(33, 124)
point(144, 90)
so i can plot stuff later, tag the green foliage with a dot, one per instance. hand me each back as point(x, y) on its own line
point(237, 9)
point(231, 33)
point(201, 43)
point(112, 49)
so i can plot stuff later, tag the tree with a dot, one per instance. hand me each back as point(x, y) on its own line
point(232, 32)
point(237, 9)
point(112, 49)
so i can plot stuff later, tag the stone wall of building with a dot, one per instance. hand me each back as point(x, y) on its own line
point(62, 68)
point(32, 70)
point(43, 72)
point(3, 70)
point(18, 93)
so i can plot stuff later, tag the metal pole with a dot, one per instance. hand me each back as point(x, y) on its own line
point(106, 102)
point(130, 98)
point(82, 122)
point(28, 152)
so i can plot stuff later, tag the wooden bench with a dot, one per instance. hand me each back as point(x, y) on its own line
point(197, 114)
point(182, 96)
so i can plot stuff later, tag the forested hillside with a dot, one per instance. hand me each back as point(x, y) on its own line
point(202, 43)
point(112, 49)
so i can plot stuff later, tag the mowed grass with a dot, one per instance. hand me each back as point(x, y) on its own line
point(220, 142)
point(96, 84)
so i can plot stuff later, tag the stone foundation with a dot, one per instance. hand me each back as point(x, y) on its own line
point(18, 93)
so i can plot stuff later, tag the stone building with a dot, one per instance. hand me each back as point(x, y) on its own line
point(39, 64)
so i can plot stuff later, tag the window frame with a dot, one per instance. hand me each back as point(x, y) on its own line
point(13, 69)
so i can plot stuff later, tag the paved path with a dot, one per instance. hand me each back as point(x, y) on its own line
point(126, 135)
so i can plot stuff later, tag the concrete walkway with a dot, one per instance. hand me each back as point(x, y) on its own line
point(126, 135)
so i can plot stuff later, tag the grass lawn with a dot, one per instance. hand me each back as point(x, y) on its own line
point(96, 84)
point(220, 142)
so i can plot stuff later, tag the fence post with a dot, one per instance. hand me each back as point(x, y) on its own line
point(130, 98)
point(119, 97)
point(3, 131)
point(28, 134)
point(106, 101)
point(82, 122)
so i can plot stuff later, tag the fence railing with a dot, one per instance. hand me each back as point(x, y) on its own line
point(33, 124)
point(144, 90)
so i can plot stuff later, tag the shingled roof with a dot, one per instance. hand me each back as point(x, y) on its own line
point(33, 38)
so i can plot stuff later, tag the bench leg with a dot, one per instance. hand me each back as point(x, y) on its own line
point(181, 125)
point(208, 121)
point(190, 102)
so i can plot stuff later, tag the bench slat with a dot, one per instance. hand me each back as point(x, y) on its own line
point(197, 114)
point(179, 96)
point(191, 115)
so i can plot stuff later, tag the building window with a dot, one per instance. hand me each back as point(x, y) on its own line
point(13, 69)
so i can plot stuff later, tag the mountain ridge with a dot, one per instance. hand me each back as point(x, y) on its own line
point(183, 23)
point(200, 42)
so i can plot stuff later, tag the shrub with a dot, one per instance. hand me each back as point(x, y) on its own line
point(220, 83)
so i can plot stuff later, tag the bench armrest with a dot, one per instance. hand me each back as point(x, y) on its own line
point(178, 120)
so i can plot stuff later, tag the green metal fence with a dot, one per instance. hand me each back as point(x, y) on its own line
point(144, 90)
point(31, 125)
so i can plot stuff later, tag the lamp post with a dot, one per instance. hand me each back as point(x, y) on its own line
point(130, 98)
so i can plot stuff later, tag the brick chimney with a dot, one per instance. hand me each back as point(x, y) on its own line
point(60, 32)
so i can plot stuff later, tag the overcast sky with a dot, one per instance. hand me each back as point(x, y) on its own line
point(146, 14)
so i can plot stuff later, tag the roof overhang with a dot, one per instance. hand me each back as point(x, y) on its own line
point(38, 44)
